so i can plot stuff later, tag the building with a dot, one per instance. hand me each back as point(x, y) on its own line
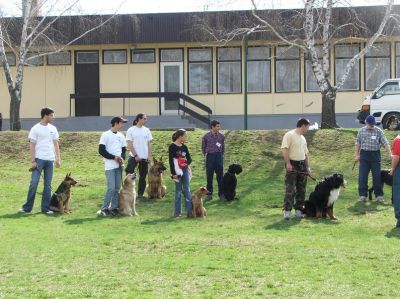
point(170, 52)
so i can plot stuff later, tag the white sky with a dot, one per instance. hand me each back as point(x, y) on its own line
point(9, 7)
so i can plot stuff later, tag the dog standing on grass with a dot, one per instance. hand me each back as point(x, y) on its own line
point(155, 187)
point(386, 178)
point(127, 196)
point(60, 199)
point(197, 201)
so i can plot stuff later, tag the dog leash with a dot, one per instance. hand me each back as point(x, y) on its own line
point(354, 165)
point(303, 173)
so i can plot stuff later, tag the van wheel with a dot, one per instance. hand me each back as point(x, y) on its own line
point(391, 121)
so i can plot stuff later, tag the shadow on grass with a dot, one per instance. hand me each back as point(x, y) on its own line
point(361, 208)
point(78, 221)
point(20, 215)
point(393, 233)
point(283, 224)
point(161, 220)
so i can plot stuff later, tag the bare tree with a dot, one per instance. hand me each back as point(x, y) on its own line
point(42, 29)
point(315, 30)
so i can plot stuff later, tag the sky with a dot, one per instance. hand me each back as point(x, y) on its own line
point(10, 7)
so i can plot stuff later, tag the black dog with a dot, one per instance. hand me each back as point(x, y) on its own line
point(230, 181)
point(387, 179)
point(326, 192)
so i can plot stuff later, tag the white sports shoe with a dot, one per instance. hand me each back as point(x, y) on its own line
point(363, 199)
point(380, 199)
point(49, 212)
point(287, 215)
point(299, 214)
point(22, 211)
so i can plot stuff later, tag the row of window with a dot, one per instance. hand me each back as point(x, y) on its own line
point(229, 66)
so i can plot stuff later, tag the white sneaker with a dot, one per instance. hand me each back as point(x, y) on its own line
point(380, 199)
point(299, 214)
point(49, 212)
point(22, 211)
point(287, 215)
point(363, 199)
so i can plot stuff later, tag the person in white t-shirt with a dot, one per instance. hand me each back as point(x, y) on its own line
point(112, 147)
point(138, 138)
point(44, 152)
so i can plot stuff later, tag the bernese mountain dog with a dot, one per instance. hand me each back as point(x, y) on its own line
point(386, 178)
point(326, 192)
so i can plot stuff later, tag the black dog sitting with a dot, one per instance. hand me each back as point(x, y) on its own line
point(230, 181)
point(326, 192)
point(387, 179)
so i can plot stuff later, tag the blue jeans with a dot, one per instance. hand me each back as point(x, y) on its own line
point(215, 163)
point(47, 167)
point(183, 186)
point(370, 161)
point(114, 179)
point(396, 192)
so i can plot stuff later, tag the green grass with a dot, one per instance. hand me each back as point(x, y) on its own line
point(243, 249)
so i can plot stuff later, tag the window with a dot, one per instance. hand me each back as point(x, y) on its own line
point(377, 65)
point(60, 58)
point(171, 55)
point(31, 60)
point(343, 54)
point(310, 80)
point(258, 69)
point(87, 57)
point(397, 60)
point(388, 89)
point(10, 58)
point(200, 71)
point(287, 69)
point(143, 56)
point(114, 56)
point(229, 70)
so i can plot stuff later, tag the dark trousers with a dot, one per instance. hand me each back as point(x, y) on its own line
point(296, 183)
point(143, 166)
point(215, 163)
point(370, 161)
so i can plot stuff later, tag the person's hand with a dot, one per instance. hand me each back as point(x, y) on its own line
point(119, 160)
point(33, 166)
point(137, 158)
point(309, 171)
point(357, 157)
point(289, 167)
point(391, 171)
point(58, 163)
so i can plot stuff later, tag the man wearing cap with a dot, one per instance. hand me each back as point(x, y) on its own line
point(367, 151)
point(112, 147)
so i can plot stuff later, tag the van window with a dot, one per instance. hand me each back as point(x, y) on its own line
point(387, 89)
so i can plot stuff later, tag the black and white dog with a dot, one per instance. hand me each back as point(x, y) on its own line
point(387, 179)
point(326, 192)
point(229, 181)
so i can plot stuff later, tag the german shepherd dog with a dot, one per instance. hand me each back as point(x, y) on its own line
point(127, 196)
point(197, 202)
point(386, 178)
point(155, 187)
point(60, 199)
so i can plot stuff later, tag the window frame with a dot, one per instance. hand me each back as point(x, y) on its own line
point(286, 59)
point(374, 57)
point(57, 64)
point(201, 61)
point(143, 50)
point(305, 69)
point(270, 68)
point(15, 59)
point(230, 60)
point(341, 57)
point(114, 50)
point(33, 65)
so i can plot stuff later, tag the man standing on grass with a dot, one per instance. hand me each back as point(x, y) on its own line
point(138, 139)
point(367, 151)
point(295, 153)
point(112, 147)
point(395, 172)
point(44, 151)
point(213, 148)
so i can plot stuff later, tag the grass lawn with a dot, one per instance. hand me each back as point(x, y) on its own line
point(243, 249)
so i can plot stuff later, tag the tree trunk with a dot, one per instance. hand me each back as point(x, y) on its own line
point(15, 103)
point(328, 117)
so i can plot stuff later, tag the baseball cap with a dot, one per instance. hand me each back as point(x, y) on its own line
point(370, 120)
point(118, 119)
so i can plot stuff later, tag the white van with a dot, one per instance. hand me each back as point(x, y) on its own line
point(383, 103)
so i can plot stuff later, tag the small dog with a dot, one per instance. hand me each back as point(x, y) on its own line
point(229, 181)
point(127, 196)
point(60, 199)
point(387, 179)
point(326, 192)
point(155, 187)
point(197, 202)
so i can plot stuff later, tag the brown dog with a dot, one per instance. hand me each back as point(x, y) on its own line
point(155, 187)
point(127, 196)
point(60, 199)
point(197, 202)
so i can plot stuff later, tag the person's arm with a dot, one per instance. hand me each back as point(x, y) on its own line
point(149, 155)
point(395, 162)
point(57, 152)
point(203, 145)
point(171, 154)
point(132, 150)
point(104, 153)
point(308, 164)
point(388, 150)
point(357, 152)
point(123, 152)
point(32, 153)
point(188, 156)
point(223, 143)
point(285, 154)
